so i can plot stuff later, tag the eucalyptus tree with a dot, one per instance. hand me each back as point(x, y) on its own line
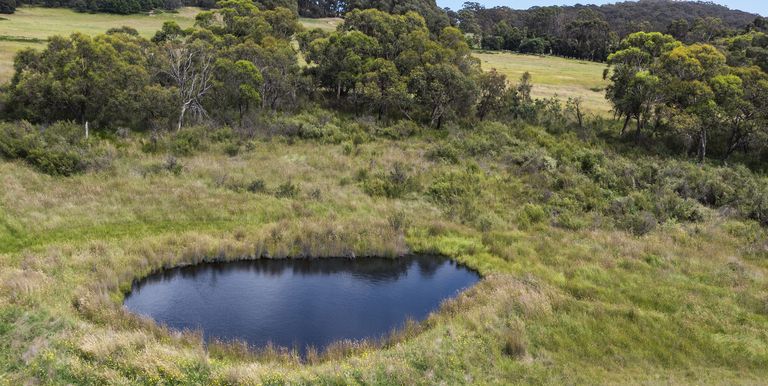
point(98, 81)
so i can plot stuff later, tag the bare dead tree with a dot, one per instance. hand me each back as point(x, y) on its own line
point(190, 67)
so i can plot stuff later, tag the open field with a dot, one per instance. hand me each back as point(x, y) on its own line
point(553, 76)
point(326, 24)
point(564, 300)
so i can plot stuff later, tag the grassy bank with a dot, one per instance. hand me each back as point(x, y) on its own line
point(580, 284)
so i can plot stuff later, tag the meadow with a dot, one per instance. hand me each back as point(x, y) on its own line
point(605, 258)
point(554, 76)
point(570, 294)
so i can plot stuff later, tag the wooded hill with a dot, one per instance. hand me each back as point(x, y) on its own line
point(590, 31)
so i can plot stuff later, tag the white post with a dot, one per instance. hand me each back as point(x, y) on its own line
point(86, 129)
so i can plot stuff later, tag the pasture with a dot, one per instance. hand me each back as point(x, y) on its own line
point(554, 76)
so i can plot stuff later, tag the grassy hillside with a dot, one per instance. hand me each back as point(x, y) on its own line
point(553, 76)
point(580, 284)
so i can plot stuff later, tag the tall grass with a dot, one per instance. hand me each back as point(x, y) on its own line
point(572, 292)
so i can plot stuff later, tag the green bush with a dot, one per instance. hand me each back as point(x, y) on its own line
point(186, 142)
point(287, 190)
point(400, 130)
point(531, 214)
point(232, 149)
point(395, 183)
point(443, 152)
point(257, 186)
point(60, 149)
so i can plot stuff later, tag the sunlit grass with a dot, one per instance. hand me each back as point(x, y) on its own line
point(686, 303)
point(554, 76)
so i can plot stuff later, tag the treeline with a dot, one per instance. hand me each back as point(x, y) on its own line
point(238, 63)
point(122, 7)
point(435, 17)
point(592, 32)
point(696, 99)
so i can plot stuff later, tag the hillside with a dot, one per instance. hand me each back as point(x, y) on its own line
point(592, 32)
point(628, 247)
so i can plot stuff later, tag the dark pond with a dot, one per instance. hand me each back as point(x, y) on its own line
point(299, 302)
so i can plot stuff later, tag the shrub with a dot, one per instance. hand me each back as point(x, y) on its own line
point(457, 193)
point(400, 130)
point(393, 184)
point(232, 149)
point(531, 214)
point(173, 166)
point(287, 190)
point(60, 149)
point(443, 152)
point(257, 186)
point(642, 223)
point(186, 142)
point(514, 343)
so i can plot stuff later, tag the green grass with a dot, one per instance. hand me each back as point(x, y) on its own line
point(686, 303)
point(553, 76)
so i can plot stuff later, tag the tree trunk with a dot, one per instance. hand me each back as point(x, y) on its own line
point(181, 116)
point(702, 144)
point(626, 123)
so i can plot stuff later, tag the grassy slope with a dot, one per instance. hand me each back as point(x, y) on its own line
point(684, 304)
point(554, 76)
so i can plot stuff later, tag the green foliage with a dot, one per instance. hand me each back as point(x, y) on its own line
point(397, 182)
point(287, 190)
point(691, 92)
point(257, 186)
point(60, 149)
point(100, 80)
point(7, 6)
point(591, 32)
point(186, 142)
point(531, 214)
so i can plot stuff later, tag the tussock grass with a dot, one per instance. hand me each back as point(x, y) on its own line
point(686, 302)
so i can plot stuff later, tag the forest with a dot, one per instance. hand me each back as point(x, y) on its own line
point(593, 32)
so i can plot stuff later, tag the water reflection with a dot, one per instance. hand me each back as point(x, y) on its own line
point(299, 302)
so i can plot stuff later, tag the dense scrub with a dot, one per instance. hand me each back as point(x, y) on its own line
point(60, 149)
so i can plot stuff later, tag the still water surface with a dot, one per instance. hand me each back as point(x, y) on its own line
point(299, 302)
